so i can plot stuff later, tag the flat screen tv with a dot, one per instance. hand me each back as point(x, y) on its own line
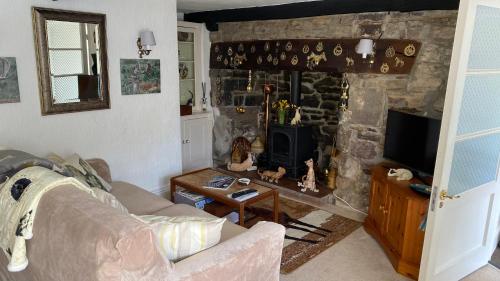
point(412, 141)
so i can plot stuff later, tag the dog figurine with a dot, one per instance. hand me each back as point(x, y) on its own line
point(297, 119)
point(240, 167)
point(272, 175)
point(309, 180)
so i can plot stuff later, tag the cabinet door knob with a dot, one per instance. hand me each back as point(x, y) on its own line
point(188, 141)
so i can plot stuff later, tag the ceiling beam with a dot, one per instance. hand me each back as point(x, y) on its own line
point(316, 8)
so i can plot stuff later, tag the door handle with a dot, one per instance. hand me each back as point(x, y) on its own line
point(188, 141)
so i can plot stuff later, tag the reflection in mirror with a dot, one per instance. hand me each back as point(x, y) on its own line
point(73, 57)
point(72, 60)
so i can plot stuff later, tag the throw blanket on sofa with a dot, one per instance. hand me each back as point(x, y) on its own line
point(13, 161)
point(19, 198)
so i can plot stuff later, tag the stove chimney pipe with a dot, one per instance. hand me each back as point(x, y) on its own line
point(295, 87)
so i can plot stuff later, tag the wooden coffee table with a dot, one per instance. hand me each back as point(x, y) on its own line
point(195, 181)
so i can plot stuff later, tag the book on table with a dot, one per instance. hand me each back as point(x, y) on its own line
point(221, 182)
point(191, 198)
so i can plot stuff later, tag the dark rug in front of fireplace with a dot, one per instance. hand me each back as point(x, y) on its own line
point(309, 230)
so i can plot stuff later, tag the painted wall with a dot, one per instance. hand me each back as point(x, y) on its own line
point(140, 135)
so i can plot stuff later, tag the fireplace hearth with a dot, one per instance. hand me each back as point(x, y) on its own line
point(289, 147)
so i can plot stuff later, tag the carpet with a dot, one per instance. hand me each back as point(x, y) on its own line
point(309, 230)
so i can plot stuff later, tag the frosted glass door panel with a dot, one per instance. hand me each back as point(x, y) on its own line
point(485, 43)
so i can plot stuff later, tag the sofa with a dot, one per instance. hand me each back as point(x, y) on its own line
point(79, 238)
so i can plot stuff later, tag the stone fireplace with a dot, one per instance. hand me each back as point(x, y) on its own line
point(360, 130)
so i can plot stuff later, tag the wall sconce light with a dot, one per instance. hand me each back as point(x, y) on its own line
point(365, 47)
point(144, 43)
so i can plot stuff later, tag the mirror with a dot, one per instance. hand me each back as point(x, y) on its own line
point(71, 60)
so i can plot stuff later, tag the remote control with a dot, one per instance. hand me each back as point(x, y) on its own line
point(243, 192)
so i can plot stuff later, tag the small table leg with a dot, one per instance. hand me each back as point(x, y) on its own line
point(172, 191)
point(276, 206)
point(242, 214)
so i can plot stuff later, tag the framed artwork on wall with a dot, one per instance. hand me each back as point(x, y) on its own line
point(9, 84)
point(140, 76)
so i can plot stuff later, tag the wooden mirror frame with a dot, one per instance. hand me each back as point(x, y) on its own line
point(40, 17)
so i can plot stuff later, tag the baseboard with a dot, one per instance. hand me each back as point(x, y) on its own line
point(161, 191)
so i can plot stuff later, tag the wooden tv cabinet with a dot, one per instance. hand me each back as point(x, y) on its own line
point(394, 215)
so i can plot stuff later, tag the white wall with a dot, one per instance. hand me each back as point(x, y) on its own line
point(140, 135)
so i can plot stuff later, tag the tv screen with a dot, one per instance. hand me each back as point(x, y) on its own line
point(412, 140)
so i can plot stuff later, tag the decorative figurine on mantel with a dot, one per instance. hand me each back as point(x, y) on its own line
point(297, 119)
point(272, 175)
point(246, 165)
point(309, 180)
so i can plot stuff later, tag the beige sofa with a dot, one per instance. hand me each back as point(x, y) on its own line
point(78, 238)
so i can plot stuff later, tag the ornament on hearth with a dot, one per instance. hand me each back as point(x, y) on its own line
point(297, 119)
point(244, 166)
point(309, 180)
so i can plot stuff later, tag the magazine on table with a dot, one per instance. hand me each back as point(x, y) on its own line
point(221, 182)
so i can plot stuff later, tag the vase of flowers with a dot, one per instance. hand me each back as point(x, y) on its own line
point(281, 107)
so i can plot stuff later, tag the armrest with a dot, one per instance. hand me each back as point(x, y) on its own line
point(253, 255)
point(101, 167)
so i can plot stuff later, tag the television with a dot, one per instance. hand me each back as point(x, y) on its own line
point(412, 141)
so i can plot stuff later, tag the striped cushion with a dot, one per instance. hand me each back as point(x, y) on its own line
point(180, 237)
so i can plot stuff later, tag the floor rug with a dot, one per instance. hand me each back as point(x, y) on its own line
point(298, 219)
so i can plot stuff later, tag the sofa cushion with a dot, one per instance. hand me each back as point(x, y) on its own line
point(197, 234)
point(229, 229)
point(137, 200)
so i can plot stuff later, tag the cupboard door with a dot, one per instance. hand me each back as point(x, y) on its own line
point(379, 196)
point(396, 209)
point(196, 154)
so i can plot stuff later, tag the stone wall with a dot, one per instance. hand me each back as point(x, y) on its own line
point(361, 129)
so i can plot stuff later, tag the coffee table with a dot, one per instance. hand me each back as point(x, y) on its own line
point(194, 181)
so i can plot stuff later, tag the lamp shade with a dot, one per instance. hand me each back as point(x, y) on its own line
point(148, 39)
point(364, 47)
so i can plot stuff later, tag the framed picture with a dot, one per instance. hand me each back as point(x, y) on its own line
point(9, 85)
point(140, 76)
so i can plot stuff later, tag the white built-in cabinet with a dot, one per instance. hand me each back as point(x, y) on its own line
point(197, 128)
point(196, 141)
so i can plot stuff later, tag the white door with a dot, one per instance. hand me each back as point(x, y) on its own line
point(196, 153)
point(462, 230)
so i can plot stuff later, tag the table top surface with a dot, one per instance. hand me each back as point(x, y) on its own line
point(196, 181)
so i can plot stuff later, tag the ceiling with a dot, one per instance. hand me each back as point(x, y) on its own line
point(189, 6)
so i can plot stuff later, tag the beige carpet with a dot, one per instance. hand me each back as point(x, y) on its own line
point(359, 258)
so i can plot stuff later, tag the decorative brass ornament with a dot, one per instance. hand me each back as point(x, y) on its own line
point(295, 60)
point(390, 52)
point(349, 61)
point(288, 46)
point(283, 56)
point(252, 49)
point(384, 68)
point(269, 58)
point(240, 109)
point(249, 86)
point(266, 47)
point(276, 61)
point(319, 47)
point(278, 44)
point(226, 62)
point(305, 49)
point(216, 49)
point(230, 51)
point(410, 50)
point(239, 59)
point(399, 62)
point(344, 98)
point(219, 58)
point(337, 51)
point(259, 59)
point(313, 59)
point(241, 47)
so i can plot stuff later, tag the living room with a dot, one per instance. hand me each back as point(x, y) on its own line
point(175, 96)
